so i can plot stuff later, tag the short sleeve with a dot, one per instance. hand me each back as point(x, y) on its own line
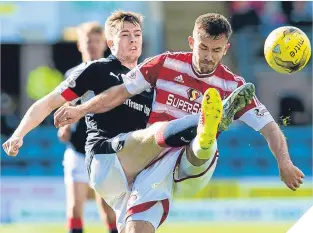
point(78, 81)
point(145, 75)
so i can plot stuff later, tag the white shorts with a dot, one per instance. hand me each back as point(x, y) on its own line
point(74, 166)
point(147, 198)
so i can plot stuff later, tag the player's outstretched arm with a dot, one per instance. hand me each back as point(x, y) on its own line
point(103, 102)
point(33, 117)
point(290, 174)
point(64, 133)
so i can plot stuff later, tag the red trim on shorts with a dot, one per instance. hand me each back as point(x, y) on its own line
point(75, 223)
point(140, 208)
point(192, 176)
point(159, 136)
point(246, 109)
point(162, 154)
point(69, 95)
point(166, 209)
point(147, 205)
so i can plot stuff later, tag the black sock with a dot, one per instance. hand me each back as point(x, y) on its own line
point(179, 132)
point(75, 231)
point(113, 231)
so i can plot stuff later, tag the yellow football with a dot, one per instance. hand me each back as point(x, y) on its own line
point(287, 49)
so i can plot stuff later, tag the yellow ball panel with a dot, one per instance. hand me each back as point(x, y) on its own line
point(287, 49)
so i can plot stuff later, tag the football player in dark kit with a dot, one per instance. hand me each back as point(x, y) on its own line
point(123, 31)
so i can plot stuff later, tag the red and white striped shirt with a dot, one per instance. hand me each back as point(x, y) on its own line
point(179, 88)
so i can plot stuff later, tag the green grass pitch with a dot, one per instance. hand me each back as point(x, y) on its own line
point(166, 228)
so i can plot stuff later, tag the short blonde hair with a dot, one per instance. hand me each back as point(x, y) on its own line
point(115, 22)
point(87, 28)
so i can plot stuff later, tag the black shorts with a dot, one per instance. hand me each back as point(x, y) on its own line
point(105, 146)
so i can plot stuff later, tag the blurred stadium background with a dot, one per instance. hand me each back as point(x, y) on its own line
point(245, 195)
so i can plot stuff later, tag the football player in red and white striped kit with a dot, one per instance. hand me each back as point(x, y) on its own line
point(181, 81)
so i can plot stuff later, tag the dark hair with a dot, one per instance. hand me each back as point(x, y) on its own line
point(214, 25)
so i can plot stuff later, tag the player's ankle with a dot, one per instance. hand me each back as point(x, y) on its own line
point(159, 136)
point(112, 227)
point(203, 153)
point(75, 225)
point(177, 133)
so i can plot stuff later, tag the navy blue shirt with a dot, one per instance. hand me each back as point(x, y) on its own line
point(90, 79)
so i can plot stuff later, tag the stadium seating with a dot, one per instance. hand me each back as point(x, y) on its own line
point(41, 155)
point(243, 152)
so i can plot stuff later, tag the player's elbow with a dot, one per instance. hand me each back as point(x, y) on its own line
point(269, 129)
point(39, 108)
point(273, 134)
point(49, 103)
point(122, 93)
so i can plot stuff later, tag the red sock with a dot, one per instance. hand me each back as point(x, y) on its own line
point(112, 227)
point(75, 225)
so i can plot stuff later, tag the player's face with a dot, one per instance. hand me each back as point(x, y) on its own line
point(207, 51)
point(127, 42)
point(92, 47)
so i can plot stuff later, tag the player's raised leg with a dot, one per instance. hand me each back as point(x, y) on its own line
point(180, 132)
point(204, 145)
point(145, 145)
point(211, 120)
point(199, 160)
point(141, 146)
point(235, 102)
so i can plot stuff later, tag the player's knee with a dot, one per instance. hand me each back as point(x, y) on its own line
point(139, 227)
point(148, 135)
point(97, 182)
point(106, 212)
point(156, 128)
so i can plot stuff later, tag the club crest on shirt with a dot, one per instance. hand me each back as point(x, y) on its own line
point(260, 112)
point(193, 94)
point(132, 74)
point(132, 199)
point(70, 82)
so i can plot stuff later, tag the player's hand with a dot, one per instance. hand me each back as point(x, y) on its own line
point(12, 145)
point(66, 115)
point(290, 175)
point(64, 133)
